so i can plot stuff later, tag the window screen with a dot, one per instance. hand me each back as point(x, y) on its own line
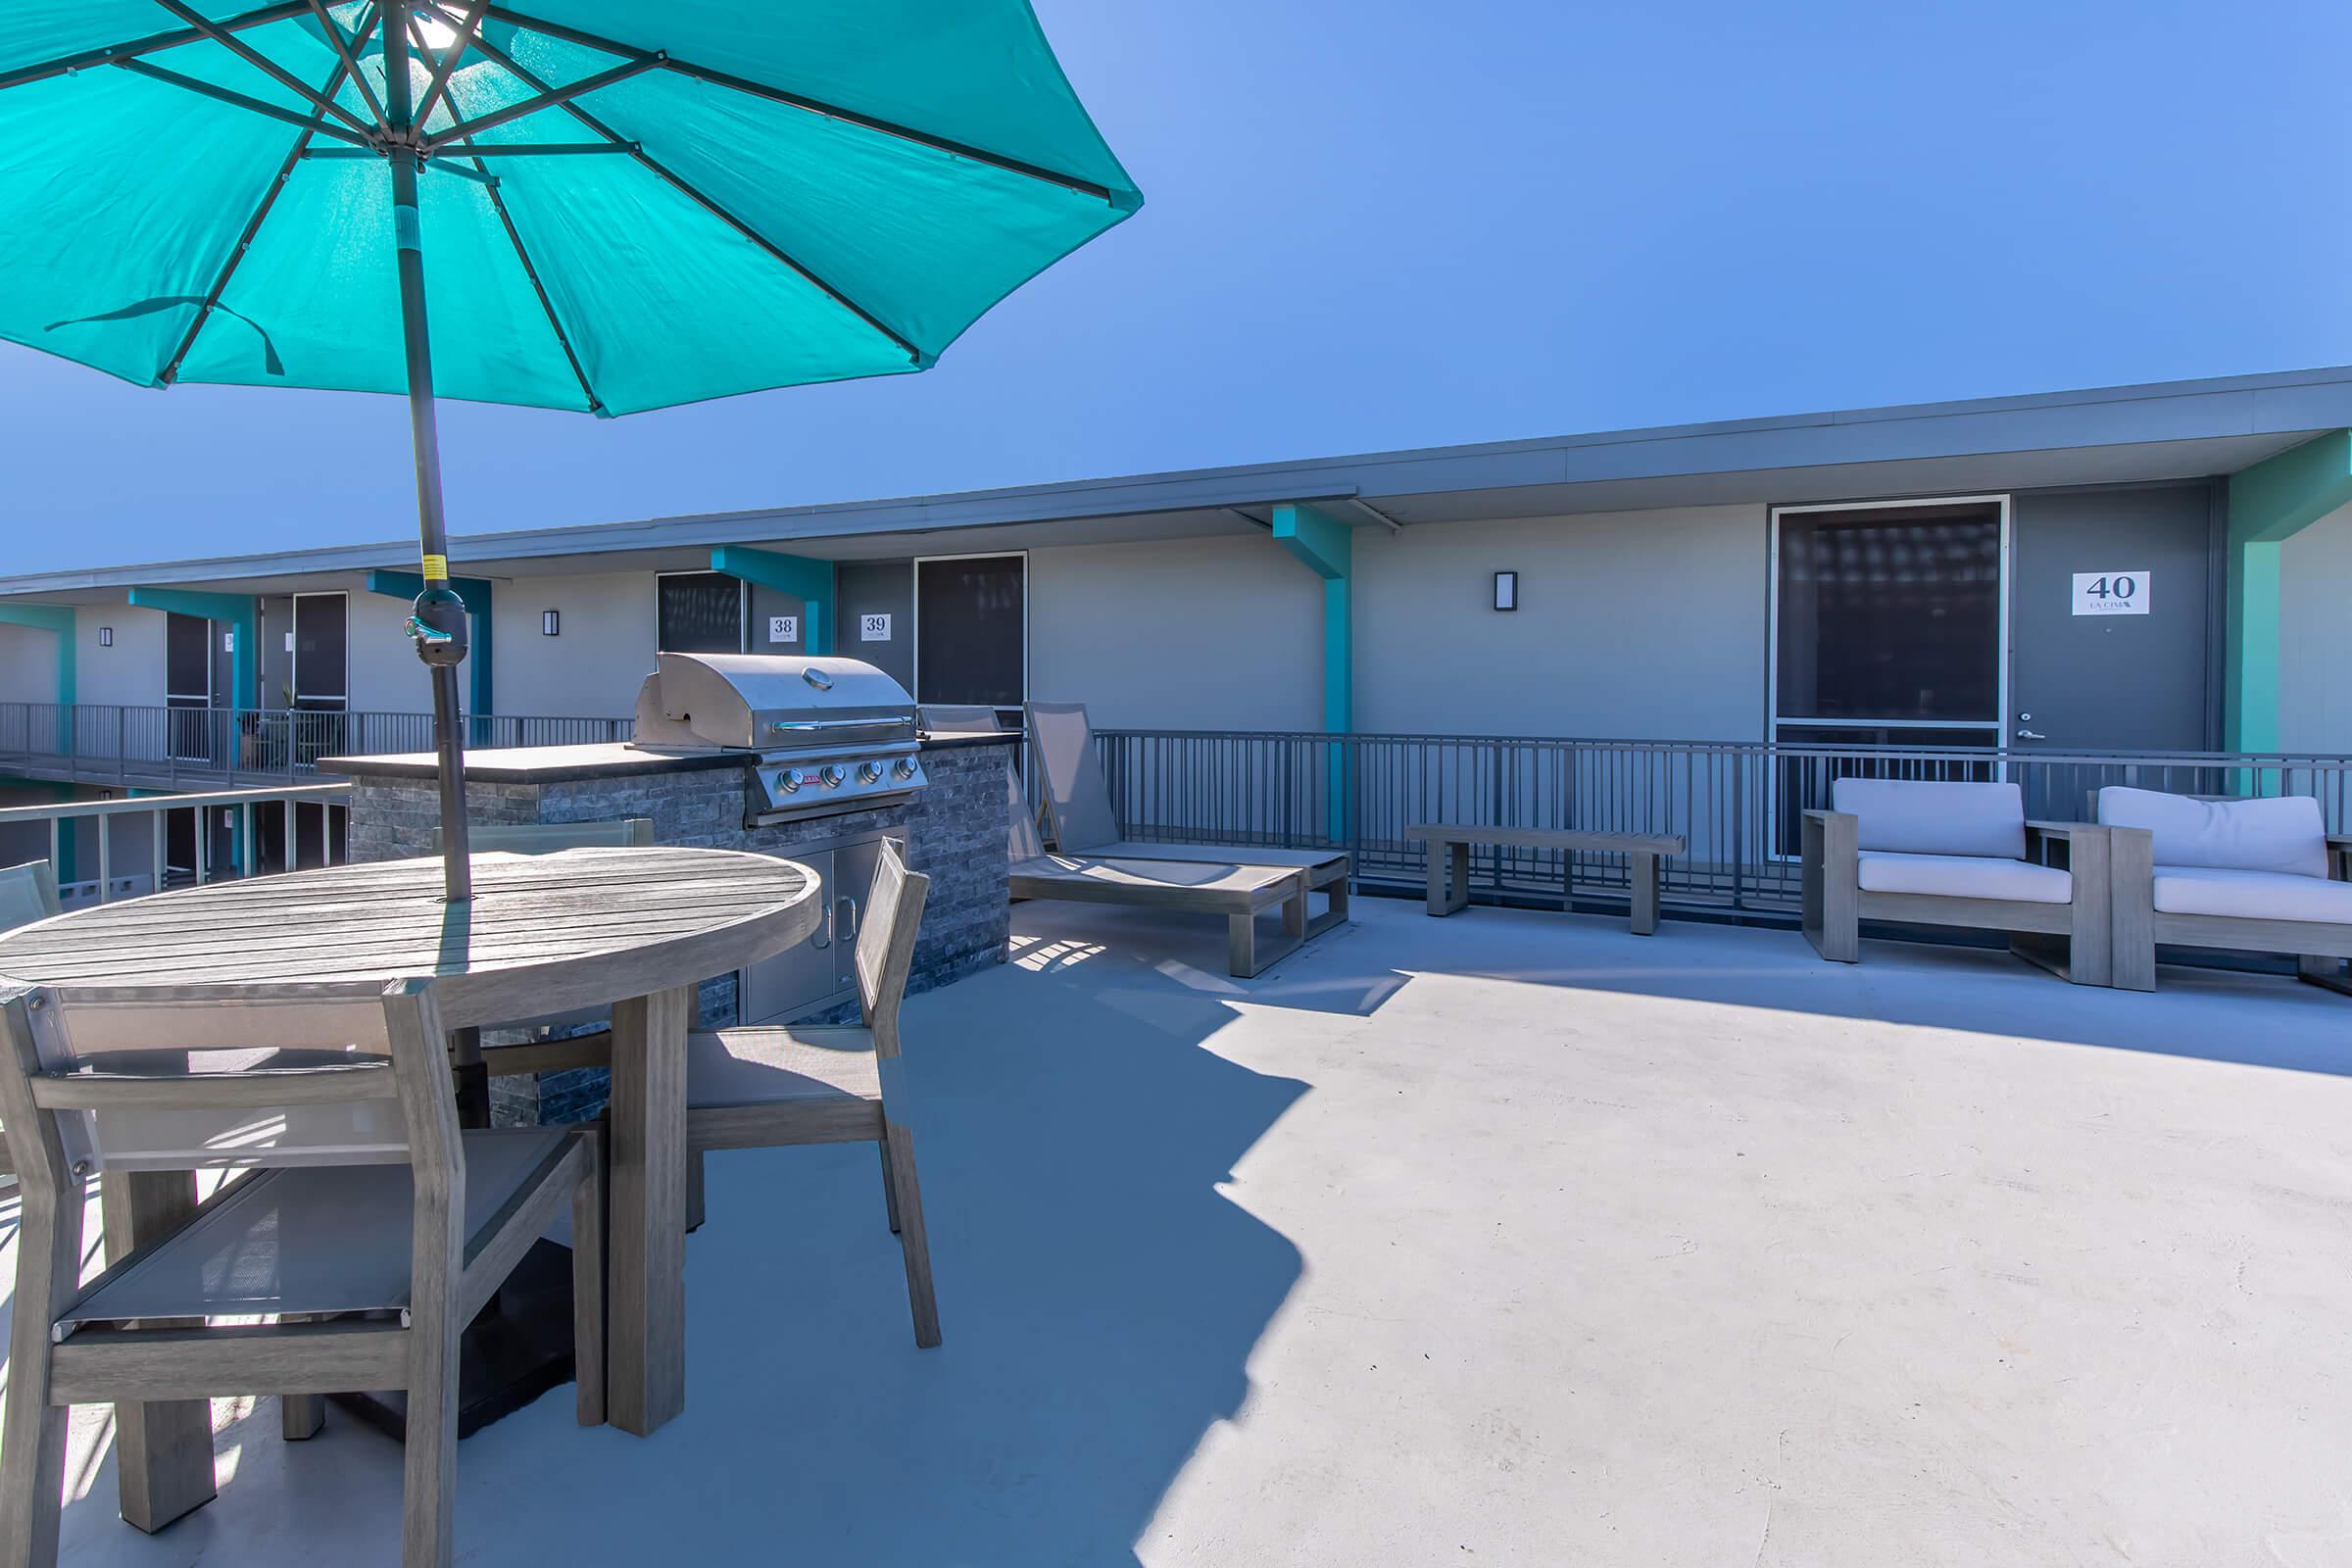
point(319, 643)
point(1892, 614)
point(697, 613)
point(970, 626)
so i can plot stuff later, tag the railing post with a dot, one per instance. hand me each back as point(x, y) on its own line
point(106, 857)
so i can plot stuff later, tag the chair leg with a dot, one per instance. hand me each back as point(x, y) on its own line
point(300, 1416)
point(32, 1481)
point(588, 1287)
point(898, 1147)
point(890, 1188)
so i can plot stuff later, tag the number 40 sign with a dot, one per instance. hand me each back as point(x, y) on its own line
point(2111, 593)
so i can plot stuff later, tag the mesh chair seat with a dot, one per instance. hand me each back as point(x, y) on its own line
point(311, 1241)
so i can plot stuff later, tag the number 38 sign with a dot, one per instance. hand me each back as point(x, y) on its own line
point(2111, 593)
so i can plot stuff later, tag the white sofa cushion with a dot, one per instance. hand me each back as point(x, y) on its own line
point(1913, 817)
point(2251, 895)
point(2284, 833)
point(1964, 876)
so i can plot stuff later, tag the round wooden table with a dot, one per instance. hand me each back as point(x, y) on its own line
point(637, 929)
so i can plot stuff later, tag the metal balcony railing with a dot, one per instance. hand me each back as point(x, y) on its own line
point(199, 747)
point(1737, 802)
point(102, 850)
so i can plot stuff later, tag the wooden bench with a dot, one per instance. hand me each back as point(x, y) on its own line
point(1236, 892)
point(1449, 853)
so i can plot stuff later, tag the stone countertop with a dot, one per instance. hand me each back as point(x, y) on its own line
point(555, 764)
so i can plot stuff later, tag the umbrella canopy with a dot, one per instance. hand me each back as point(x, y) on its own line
point(626, 206)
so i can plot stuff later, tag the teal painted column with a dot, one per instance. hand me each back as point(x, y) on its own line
point(807, 579)
point(2270, 503)
point(479, 600)
point(1327, 547)
point(241, 613)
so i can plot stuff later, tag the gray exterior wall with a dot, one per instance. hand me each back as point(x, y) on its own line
point(592, 669)
point(2315, 637)
point(130, 672)
point(1189, 634)
point(1647, 625)
point(385, 676)
point(27, 665)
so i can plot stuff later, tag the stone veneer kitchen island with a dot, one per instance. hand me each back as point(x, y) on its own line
point(955, 830)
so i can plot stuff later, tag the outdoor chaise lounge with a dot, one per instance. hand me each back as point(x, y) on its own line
point(1955, 855)
point(1091, 862)
point(2251, 876)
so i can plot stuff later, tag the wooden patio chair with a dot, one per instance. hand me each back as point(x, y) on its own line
point(778, 1087)
point(365, 1228)
point(27, 892)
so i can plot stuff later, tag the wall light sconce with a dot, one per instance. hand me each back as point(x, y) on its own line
point(550, 623)
point(1507, 589)
point(106, 636)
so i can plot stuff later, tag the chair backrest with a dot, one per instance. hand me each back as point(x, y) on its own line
point(1915, 816)
point(198, 1077)
point(27, 892)
point(1020, 829)
point(948, 718)
point(1077, 801)
point(546, 838)
point(2284, 833)
point(893, 914)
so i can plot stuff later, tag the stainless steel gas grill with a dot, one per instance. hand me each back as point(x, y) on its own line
point(820, 736)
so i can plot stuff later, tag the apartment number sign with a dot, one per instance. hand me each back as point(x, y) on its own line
point(874, 628)
point(783, 628)
point(2111, 593)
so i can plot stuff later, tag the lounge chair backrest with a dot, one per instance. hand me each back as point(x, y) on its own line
point(2276, 833)
point(944, 718)
point(546, 838)
point(27, 892)
point(894, 917)
point(1077, 801)
point(191, 1078)
point(1021, 838)
point(1912, 816)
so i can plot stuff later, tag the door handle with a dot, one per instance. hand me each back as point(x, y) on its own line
point(822, 937)
point(849, 934)
point(2030, 735)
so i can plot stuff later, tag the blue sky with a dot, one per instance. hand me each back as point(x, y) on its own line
point(1375, 223)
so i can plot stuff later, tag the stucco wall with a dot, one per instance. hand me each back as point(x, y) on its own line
point(2315, 637)
point(385, 676)
point(1646, 625)
point(27, 665)
point(593, 667)
point(1189, 634)
point(129, 672)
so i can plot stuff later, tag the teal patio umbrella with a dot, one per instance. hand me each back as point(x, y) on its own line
point(576, 204)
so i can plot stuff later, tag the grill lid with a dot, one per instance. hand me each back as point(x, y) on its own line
point(763, 702)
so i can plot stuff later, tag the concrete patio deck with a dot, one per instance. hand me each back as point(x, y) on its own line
point(1503, 1238)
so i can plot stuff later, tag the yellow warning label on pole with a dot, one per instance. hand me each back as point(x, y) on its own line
point(436, 568)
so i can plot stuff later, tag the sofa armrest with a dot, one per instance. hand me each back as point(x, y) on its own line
point(2060, 830)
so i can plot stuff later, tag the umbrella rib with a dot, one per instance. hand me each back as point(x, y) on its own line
point(646, 161)
point(548, 98)
point(446, 66)
point(253, 225)
point(116, 53)
point(530, 270)
point(814, 106)
point(316, 125)
point(267, 66)
point(351, 60)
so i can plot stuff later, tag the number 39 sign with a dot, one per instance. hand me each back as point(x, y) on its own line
point(2111, 593)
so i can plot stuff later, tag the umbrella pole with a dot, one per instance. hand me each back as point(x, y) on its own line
point(439, 622)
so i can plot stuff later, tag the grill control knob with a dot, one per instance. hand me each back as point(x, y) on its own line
point(790, 779)
point(903, 769)
point(870, 772)
point(830, 776)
